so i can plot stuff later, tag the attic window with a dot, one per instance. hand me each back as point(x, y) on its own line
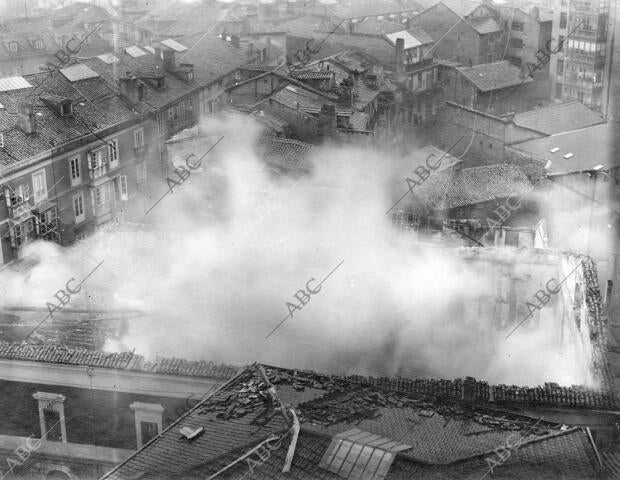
point(568, 155)
point(13, 46)
point(356, 454)
point(554, 149)
point(38, 44)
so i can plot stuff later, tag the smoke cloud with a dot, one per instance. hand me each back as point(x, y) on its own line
point(236, 243)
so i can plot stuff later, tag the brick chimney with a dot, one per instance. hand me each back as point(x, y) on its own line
point(400, 55)
point(169, 61)
point(130, 88)
point(25, 119)
point(327, 120)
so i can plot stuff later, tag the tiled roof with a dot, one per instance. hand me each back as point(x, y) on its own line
point(306, 100)
point(485, 25)
point(559, 118)
point(286, 153)
point(457, 188)
point(449, 439)
point(493, 76)
point(377, 48)
point(371, 8)
point(122, 361)
point(372, 26)
point(307, 27)
point(461, 7)
point(212, 57)
point(579, 143)
point(95, 106)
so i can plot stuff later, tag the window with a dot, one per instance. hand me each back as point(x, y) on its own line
point(138, 138)
point(358, 454)
point(103, 197)
point(560, 67)
point(141, 173)
point(121, 187)
point(39, 186)
point(489, 58)
point(113, 153)
point(97, 162)
point(171, 114)
point(17, 70)
point(517, 26)
point(516, 43)
point(78, 207)
point(580, 96)
point(74, 166)
point(148, 420)
point(51, 416)
point(563, 20)
point(66, 109)
point(38, 44)
point(558, 91)
point(17, 196)
point(13, 46)
point(160, 122)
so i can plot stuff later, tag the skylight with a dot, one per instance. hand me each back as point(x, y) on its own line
point(78, 72)
point(554, 149)
point(356, 454)
point(13, 83)
point(597, 167)
point(568, 155)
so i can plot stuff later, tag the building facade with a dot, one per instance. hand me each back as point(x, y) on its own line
point(581, 69)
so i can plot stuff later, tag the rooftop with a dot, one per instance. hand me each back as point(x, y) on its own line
point(55, 354)
point(451, 189)
point(305, 100)
point(414, 37)
point(444, 434)
point(372, 26)
point(579, 143)
point(286, 153)
point(559, 118)
point(488, 77)
point(485, 25)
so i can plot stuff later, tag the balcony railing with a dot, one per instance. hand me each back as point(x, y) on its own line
point(421, 64)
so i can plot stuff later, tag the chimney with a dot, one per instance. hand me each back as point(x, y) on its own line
point(251, 48)
point(169, 63)
point(535, 12)
point(25, 118)
point(268, 48)
point(157, 61)
point(400, 55)
point(327, 120)
point(235, 40)
point(129, 87)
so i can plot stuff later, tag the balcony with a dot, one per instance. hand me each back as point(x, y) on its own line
point(20, 211)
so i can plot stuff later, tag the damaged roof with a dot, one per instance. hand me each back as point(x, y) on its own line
point(56, 354)
point(449, 436)
point(457, 188)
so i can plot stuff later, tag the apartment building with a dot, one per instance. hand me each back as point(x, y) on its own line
point(580, 70)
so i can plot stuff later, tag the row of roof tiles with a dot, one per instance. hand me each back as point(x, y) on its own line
point(121, 361)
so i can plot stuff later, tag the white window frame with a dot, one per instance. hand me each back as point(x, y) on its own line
point(13, 46)
point(97, 162)
point(103, 197)
point(78, 207)
point(148, 413)
point(113, 153)
point(39, 186)
point(38, 44)
point(56, 402)
point(138, 138)
point(122, 188)
point(75, 170)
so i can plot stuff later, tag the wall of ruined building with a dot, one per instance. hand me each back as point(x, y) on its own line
point(302, 125)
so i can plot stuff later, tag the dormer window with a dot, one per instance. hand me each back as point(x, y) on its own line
point(13, 46)
point(61, 105)
point(38, 44)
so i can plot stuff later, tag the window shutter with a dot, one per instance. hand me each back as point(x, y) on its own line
point(7, 196)
point(89, 160)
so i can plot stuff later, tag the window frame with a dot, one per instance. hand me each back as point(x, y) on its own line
point(75, 170)
point(78, 207)
point(40, 194)
point(138, 138)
